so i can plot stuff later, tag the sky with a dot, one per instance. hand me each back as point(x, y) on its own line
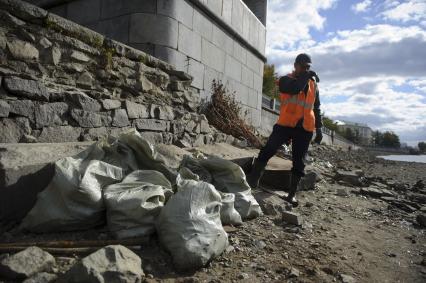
point(369, 55)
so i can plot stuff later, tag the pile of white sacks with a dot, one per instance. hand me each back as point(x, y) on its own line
point(141, 195)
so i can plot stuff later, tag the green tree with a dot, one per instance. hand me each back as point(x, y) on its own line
point(390, 139)
point(422, 146)
point(329, 123)
point(269, 78)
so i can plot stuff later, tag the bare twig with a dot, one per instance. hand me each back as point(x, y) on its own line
point(223, 112)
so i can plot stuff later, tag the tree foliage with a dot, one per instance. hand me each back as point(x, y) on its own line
point(329, 123)
point(386, 139)
point(269, 78)
point(422, 146)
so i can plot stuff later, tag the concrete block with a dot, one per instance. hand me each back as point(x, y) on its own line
point(25, 170)
point(171, 56)
point(84, 11)
point(178, 10)
point(148, 48)
point(155, 29)
point(212, 56)
point(254, 63)
point(116, 28)
point(292, 218)
point(241, 92)
point(257, 82)
point(210, 75)
point(254, 26)
point(189, 42)
point(255, 119)
point(262, 39)
point(215, 6)
point(252, 98)
point(222, 40)
point(233, 68)
point(239, 52)
point(237, 15)
point(227, 11)
point(114, 8)
point(203, 25)
point(196, 70)
point(246, 23)
point(247, 76)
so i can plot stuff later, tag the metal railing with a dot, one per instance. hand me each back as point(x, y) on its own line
point(271, 103)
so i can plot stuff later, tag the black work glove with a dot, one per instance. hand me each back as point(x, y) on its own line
point(313, 75)
point(318, 136)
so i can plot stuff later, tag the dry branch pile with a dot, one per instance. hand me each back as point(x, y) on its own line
point(223, 112)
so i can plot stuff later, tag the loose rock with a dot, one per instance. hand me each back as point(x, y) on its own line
point(26, 263)
point(113, 263)
point(42, 277)
point(292, 218)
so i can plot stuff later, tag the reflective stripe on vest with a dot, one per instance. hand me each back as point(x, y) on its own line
point(296, 107)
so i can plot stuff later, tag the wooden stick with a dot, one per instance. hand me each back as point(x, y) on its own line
point(78, 244)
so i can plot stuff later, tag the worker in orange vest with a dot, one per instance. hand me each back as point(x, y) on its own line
point(299, 118)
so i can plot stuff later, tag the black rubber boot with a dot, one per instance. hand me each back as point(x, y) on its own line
point(256, 173)
point(291, 197)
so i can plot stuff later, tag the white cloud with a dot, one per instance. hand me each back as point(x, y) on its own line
point(375, 74)
point(289, 22)
point(361, 7)
point(414, 10)
point(419, 84)
point(384, 109)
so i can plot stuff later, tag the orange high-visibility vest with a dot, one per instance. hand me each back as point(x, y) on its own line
point(298, 106)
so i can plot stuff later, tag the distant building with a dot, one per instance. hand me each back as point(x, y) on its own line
point(364, 131)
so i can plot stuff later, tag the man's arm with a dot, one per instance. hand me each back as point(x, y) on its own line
point(293, 85)
point(317, 110)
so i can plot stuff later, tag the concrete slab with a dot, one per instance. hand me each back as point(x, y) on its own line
point(155, 29)
point(212, 56)
point(25, 170)
point(179, 10)
point(189, 42)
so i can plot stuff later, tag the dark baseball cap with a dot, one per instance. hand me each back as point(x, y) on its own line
point(303, 59)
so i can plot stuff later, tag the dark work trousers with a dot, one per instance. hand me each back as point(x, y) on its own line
point(300, 144)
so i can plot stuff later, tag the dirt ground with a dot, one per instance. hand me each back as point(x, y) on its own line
point(345, 237)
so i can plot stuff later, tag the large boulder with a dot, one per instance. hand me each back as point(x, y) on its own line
point(26, 263)
point(114, 263)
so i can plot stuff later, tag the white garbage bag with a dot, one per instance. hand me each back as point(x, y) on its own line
point(228, 177)
point(195, 167)
point(73, 199)
point(134, 204)
point(189, 225)
point(228, 214)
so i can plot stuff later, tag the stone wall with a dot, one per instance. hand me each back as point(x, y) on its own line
point(61, 82)
point(209, 39)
